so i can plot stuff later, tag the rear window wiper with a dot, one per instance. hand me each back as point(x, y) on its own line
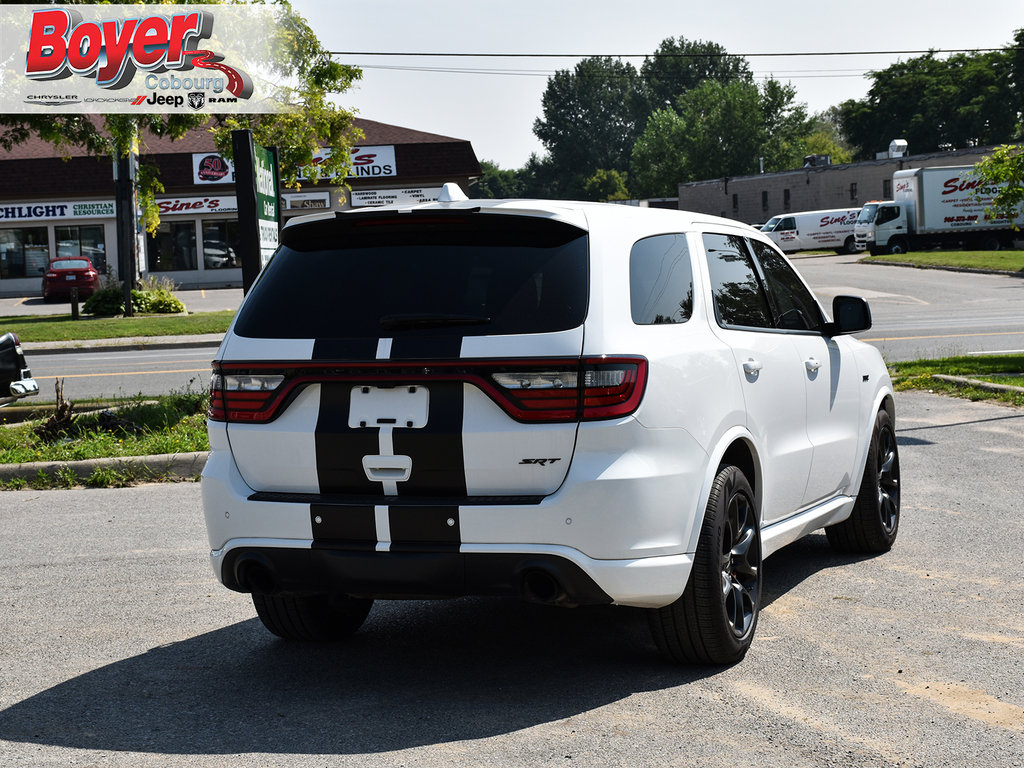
point(429, 320)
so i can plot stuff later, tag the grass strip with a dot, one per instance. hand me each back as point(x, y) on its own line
point(997, 261)
point(36, 328)
point(1001, 369)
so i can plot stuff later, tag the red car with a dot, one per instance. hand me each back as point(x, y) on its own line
point(66, 273)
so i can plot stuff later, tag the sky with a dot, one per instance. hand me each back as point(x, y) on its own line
point(496, 111)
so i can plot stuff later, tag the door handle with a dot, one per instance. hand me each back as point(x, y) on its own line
point(752, 366)
point(812, 364)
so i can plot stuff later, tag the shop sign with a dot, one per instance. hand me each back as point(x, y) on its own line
point(408, 196)
point(185, 206)
point(375, 162)
point(211, 168)
point(307, 201)
point(52, 211)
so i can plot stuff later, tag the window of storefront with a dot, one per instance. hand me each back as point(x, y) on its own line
point(173, 247)
point(85, 241)
point(220, 244)
point(24, 252)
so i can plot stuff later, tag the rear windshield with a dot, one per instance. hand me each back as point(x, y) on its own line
point(459, 274)
point(69, 264)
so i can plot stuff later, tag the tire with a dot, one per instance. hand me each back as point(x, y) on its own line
point(897, 245)
point(872, 526)
point(850, 245)
point(311, 617)
point(991, 243)
point(713, 622)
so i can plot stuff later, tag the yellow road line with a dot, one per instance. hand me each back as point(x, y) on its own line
point(123, 373)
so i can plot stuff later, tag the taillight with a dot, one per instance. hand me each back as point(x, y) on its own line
point(243, 397)
point(529, 391)
point(595, 388)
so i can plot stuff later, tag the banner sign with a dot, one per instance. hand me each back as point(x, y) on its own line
point(211, 168)
point(258, 208)
point(54, 210)
point(138, 58)
point(410, 196)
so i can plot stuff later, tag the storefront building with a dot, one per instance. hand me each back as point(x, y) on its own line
point(51, 207)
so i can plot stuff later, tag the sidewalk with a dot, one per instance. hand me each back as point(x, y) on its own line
point(124, 344)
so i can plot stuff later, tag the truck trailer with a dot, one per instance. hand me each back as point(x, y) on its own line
point(940, 207)
point(813, 230)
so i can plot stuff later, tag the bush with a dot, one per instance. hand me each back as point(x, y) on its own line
point(153, 296)
point(106, 302)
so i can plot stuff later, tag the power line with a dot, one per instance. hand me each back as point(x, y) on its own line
point(437, 54)
point(799, 74)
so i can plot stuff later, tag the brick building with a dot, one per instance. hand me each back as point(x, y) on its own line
point(53, 207)
point(755, 199)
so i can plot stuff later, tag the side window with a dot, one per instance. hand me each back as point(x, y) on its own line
point(787, 223)
point(888, 213)
point(794, 307)
point(660, 280)
point(738, 295)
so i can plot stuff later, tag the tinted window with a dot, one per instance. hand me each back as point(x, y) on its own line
point(738, 295)
point(383, 275)
point(793, 305)
point(660, 280)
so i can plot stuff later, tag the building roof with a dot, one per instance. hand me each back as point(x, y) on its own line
point(200, 140)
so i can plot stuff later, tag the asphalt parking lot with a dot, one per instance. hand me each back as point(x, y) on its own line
point(119, 648)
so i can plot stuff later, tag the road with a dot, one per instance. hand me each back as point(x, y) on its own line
point(917, 314)
point(119, 649)
point(922, 313)
point(107, 374)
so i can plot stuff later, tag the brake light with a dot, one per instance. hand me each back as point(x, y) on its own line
point(528, 391)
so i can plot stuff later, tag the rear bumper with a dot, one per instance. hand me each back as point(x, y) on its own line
point(555, 576)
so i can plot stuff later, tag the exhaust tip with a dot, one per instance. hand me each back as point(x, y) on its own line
point(541, 586)
point(254, 575)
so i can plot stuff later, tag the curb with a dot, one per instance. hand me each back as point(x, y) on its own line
point(988, 386)
point(971, 270)
point(129, 344)
point(185, 466)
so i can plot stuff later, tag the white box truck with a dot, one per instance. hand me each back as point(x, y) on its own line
point(814, 230)
point(944, 206)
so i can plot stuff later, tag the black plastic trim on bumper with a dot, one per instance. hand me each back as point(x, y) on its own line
point(410, 574)
point(394, 501)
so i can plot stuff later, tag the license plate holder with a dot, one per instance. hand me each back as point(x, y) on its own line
point(406, 406)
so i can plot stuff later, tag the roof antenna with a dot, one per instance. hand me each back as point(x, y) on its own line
point(451, 193)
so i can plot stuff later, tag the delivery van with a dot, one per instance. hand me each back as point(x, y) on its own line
point(814, 230)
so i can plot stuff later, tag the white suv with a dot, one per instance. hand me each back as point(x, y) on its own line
point(572, 403)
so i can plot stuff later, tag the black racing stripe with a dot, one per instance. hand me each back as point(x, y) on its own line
point(433, 528)
point(438, 464)
point(346, 527)
point(345, 349)
point(339, 448)
point(426, 347)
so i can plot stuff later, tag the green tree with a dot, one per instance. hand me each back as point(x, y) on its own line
point(660, 159)
point(606, 185)
point(680, 65)
point(825, 137)
point(591, 118)
point(936, 104)
point(496, 183)
point(311, 78)
point(720, 129)
point(1005, 166)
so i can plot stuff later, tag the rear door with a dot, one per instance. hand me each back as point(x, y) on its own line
point(415, 355)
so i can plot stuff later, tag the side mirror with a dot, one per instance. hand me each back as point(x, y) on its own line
point(850, 314)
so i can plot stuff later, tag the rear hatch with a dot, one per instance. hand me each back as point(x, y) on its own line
point(425, 354)
point(65, 274)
